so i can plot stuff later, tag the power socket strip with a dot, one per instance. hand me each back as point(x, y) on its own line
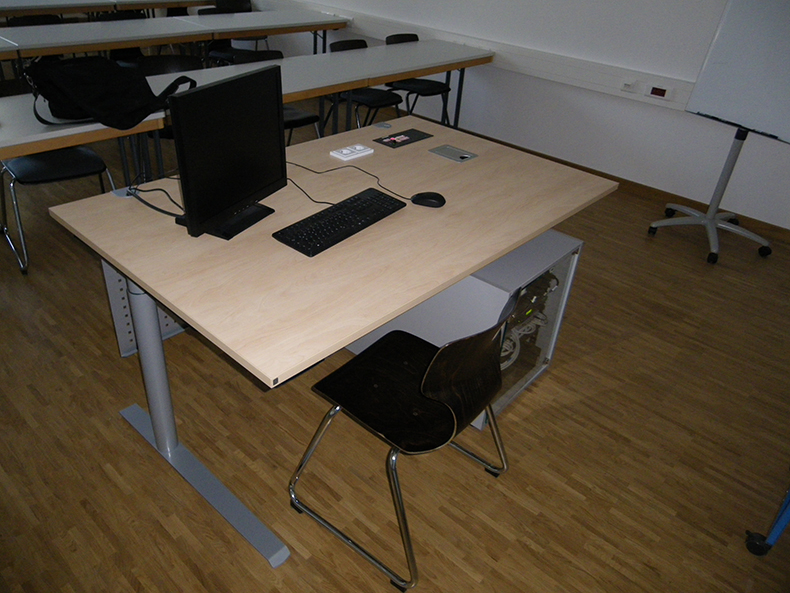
point(351, 152)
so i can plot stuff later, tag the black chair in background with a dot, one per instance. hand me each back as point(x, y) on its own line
point(29, 20)
point(123, 53)
point(372, 99)
point(419, 87)
point(46, 167)
point(293, 117)
point(416, 398)
point(230, 7)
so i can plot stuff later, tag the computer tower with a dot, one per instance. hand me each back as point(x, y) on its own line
point(539, 274)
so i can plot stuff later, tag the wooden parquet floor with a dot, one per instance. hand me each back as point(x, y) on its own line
point(659, 435)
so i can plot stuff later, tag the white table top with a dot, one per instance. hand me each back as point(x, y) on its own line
point(14, 7)
point(302, 77)
point(41, 38)
point(48, 39)
point(224, 25)
point(320, 73)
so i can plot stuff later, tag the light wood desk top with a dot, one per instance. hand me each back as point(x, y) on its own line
point(278, 312)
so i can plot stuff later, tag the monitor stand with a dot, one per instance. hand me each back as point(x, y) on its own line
point(239, 222)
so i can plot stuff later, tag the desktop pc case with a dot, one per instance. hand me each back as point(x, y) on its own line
point(539, 274)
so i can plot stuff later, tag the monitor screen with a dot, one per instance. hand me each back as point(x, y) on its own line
point(230, 147)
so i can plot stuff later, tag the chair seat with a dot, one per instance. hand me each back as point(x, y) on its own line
point(56, 165)
point(420, 86)
point(374, 98)
point(381, 389)
point(296, 118)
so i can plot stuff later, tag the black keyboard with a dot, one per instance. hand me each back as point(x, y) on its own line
point(330, 226)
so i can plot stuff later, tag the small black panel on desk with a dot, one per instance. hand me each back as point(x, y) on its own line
point(402, 138)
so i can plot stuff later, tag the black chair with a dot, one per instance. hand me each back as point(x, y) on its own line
point(416, 398)
point(419, 87)
point(122, 53)
point(45, 167)
point(293, 117)
point(28, 20)
point(373, 99)
point(230, 7)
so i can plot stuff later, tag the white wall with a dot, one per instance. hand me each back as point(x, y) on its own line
point(660, 147)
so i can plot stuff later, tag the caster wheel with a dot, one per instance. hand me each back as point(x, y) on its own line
point(651, 231)
point(764, 251)
point(669, 212)
point(713, 258)
point(756, 544)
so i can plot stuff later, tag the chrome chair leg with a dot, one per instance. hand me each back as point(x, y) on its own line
point(397, 499)
point(19, 252)
point(494, 470)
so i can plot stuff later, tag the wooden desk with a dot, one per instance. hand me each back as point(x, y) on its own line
point(278, 312)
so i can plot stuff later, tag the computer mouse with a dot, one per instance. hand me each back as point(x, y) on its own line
point(428, 198)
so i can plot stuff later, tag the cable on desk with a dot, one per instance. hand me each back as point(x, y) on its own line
point(134, 190)
point(376, 177)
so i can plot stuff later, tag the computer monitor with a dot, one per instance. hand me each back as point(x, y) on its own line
point(230, 146)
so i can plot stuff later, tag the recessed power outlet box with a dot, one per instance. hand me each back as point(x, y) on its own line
point(351, 152)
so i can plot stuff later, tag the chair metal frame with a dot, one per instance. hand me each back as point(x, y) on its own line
point(20, 251)
point(401, 582)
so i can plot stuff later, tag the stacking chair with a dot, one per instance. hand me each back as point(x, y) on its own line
point(373, 99)
point(45, 167)
point(293, 117)
point(230, 7)
point(416, 398)
point(419, 87)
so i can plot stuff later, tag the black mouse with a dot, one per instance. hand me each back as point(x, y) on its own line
point(428, 198)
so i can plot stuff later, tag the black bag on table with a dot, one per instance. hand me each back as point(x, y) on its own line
point(94, 88)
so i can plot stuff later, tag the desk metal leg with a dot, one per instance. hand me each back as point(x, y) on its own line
point(458, 94)
point(160, 431)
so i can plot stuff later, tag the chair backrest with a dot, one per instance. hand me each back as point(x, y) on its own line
point(401, 38)
point(227, 7)
point(167, 64)
point(260, 55)
point(346, 44)
point(466, 375)
point(33, 19)
point(120, 15)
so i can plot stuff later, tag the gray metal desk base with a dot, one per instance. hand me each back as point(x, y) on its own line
point(160, 430)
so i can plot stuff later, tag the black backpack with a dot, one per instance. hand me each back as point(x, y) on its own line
point(94, 88)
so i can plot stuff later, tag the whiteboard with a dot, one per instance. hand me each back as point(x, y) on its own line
point(745, 79)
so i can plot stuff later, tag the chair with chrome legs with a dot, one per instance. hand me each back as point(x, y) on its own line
point(419, 87)
point(416, 397)
point(46, 167)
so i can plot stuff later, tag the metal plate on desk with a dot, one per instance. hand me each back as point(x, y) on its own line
point(453, 153)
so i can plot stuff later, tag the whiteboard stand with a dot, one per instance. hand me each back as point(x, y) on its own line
point(713, 220)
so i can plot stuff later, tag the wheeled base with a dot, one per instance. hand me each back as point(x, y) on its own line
point(713, 220)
